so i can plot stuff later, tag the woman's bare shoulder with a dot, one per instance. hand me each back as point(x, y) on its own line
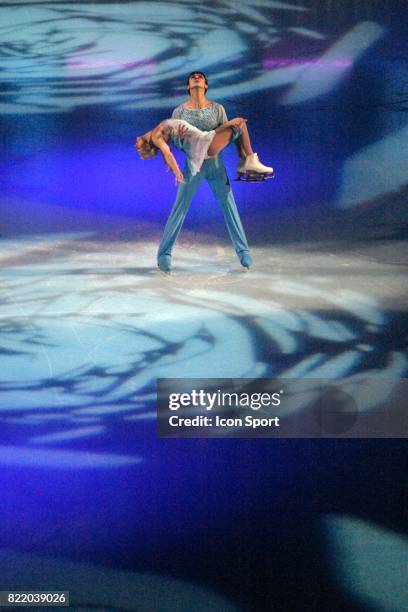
point(160, 133)
point(161, 127)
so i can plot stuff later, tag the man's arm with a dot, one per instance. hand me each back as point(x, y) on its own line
point(236, 124)
point(176, 113)
point(222, 115)
point(176, 139)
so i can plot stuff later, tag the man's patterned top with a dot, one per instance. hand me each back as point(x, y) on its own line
point(205, 119)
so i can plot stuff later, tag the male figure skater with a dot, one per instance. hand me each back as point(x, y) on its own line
point(205, 115)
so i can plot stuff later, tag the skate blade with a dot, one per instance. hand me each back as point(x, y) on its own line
point(163, 272)
point(254, 177)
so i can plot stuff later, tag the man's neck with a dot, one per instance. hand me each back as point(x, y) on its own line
point(197, 99)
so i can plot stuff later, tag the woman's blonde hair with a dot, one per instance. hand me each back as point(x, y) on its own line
point(146, 150)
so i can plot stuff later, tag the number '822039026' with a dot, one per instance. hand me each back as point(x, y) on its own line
point(34, 598)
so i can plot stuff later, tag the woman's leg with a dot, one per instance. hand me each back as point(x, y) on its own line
point(245, 141)
point(222, 139)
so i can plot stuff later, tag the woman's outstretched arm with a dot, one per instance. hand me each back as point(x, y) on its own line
point(160, 143)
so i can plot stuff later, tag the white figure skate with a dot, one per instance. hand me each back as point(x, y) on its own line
point(250, 170)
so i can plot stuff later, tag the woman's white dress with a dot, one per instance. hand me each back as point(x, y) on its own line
point(195, 143)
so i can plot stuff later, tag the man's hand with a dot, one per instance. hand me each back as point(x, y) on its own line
point(238, 123)
point(182, 131)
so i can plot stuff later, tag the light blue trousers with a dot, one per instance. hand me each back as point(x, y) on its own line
point(213, 170)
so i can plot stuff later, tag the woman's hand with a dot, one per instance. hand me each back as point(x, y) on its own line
point(179, 177)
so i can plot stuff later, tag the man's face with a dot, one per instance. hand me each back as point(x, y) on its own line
point(197, 80)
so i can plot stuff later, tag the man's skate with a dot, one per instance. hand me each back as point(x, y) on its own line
point(251, 170)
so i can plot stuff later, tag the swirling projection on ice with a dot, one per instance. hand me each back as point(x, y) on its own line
point(82, 344)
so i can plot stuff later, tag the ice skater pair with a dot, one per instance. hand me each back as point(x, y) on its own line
point(200, 146)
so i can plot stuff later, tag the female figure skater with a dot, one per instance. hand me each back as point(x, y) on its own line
point(199, 145)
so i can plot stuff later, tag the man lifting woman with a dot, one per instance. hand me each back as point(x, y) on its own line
point(200, 128)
